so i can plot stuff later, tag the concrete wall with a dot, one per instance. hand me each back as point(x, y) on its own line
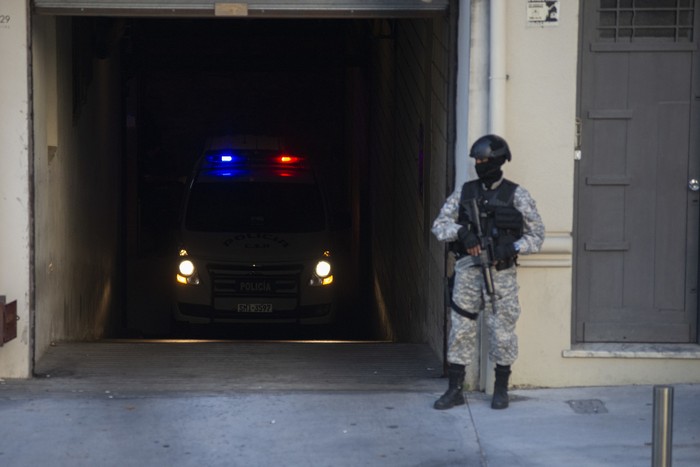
point(15, 173)
point(410, 137)
point(45, 129)
point(78, 157)
point(381, 176)
point(439, 180)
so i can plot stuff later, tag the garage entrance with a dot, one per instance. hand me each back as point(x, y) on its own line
point(216, 366)
point(124, 96)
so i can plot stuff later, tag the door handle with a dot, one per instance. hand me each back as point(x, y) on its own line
point(694, 184)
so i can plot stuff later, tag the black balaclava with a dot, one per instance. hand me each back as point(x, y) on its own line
point(489, 172)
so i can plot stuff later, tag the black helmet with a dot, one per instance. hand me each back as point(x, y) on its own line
point(490, 147)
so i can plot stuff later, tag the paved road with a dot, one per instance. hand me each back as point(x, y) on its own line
point(363, 404)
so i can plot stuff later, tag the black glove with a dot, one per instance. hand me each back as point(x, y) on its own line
point(468, 238)
point(503, 252)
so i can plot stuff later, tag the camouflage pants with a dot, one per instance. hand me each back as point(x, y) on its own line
point(470, 294)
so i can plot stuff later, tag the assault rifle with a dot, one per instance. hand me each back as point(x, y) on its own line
point(487, 255)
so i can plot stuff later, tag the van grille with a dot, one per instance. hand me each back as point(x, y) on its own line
point(255, 281)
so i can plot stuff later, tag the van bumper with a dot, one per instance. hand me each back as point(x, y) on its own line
point(204, 314)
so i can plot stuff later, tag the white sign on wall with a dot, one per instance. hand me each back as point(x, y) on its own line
point(543, 13)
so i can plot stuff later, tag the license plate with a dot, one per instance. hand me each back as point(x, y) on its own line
point(255, 308)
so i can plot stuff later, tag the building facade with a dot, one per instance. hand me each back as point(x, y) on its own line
point(597, 98)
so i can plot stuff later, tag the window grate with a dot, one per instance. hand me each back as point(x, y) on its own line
point(646, 20)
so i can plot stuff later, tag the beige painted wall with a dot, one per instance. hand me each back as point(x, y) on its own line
point(15, 232)
point(541, 65)
point(541, 112)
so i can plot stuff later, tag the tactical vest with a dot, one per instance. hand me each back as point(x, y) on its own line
point(489, 201)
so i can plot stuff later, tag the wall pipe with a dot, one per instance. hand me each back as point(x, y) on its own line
point(497, 68)
point(462, 92)
point(472, 83)
point(496, 125)
point(480, 108)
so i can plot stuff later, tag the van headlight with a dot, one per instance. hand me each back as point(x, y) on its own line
point(323, 268)
point(186, 268)
point(187, 272)
point(322, 271)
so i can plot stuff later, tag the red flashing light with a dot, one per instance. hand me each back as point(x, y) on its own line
point(286, 159)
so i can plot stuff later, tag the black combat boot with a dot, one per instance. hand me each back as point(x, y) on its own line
point(454, 395)
point(500, 389)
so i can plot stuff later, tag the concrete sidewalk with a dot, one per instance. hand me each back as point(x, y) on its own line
point(75, 424)
point(599, 426)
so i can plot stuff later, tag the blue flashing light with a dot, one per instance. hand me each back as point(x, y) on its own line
point(226, 172)
point(225, 159)
point(230, 163)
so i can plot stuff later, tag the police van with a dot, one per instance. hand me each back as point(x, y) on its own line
point(254, 238)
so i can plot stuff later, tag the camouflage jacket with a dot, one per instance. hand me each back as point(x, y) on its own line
point(445, 226)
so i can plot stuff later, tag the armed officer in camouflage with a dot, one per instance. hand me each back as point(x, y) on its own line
point(509, 226)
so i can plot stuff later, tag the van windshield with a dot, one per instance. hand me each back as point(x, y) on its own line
point(254, 207)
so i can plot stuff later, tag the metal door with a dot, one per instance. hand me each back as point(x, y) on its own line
point(636, 216)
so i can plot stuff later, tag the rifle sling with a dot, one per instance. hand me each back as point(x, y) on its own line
point(461, 311)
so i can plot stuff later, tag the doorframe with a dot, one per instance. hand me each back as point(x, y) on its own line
point(693, 169)
point(694, 160)
point(577, 148)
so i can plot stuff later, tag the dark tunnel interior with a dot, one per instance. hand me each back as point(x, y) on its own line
point(186, 80)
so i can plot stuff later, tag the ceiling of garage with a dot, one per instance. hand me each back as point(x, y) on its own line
point(256, 8)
